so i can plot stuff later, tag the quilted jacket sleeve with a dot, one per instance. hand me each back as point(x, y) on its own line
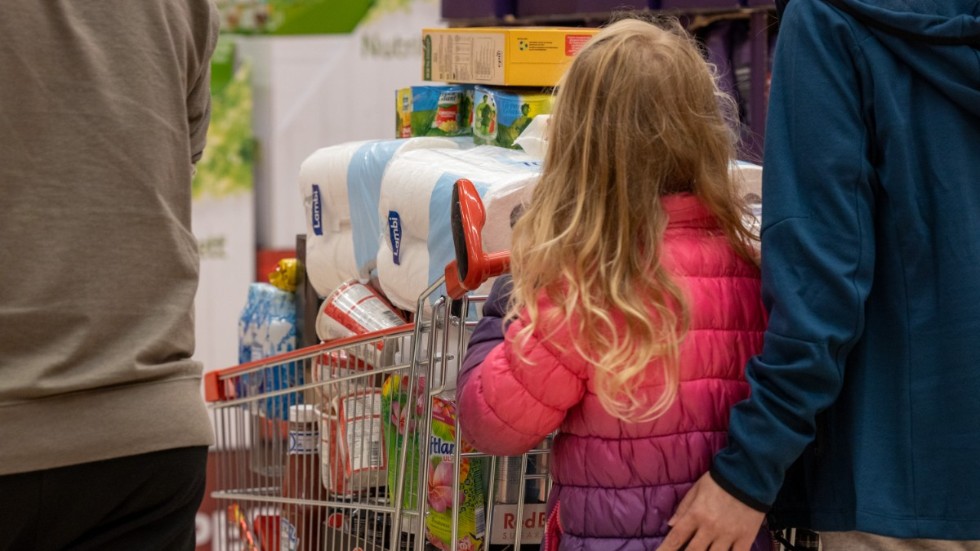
point(489, 330)
point(507, 404)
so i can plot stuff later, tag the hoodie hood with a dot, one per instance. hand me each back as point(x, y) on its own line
point(938, 39)
point(937, 22)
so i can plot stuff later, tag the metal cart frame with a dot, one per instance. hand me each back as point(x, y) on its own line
point(251, 404)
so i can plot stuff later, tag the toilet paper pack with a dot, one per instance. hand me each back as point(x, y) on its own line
point(339, 186)
point(414, 208)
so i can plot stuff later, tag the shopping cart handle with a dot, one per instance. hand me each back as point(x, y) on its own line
point(222, 385)
point(472, 266)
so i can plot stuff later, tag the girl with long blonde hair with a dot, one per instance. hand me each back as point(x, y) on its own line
point(634, 301)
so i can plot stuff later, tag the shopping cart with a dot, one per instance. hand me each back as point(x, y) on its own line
point(331, 446)
point(302, 462)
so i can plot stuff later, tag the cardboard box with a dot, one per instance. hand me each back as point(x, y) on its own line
point(500, 115)
point(504, 525)
point(433, 111)
point(518, 56)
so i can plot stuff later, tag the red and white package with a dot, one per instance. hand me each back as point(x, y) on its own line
point(339, 372)
point(355, 309)
point(353, 453)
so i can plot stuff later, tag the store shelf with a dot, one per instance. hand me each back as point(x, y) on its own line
point(700, 5)
point(538, 8)
point(593, 13)
point(520, 12)
point(477, 9)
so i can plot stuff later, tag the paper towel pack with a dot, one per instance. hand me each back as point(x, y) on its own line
point(339, 187)
point(414, 207)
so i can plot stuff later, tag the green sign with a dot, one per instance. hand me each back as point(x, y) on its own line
point(290, 17)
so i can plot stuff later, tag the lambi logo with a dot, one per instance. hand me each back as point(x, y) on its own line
point(317, 209)
point(395, 233)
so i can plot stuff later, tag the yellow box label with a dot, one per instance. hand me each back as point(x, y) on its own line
point(501, 56)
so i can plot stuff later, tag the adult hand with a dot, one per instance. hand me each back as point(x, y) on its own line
point(710, 518)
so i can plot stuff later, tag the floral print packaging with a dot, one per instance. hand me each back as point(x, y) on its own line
point(443, 492)
point(400, 420)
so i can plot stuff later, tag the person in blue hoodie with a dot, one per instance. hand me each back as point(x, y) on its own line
point(864, 414)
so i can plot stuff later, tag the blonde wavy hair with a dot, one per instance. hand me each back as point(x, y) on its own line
point(637, 116)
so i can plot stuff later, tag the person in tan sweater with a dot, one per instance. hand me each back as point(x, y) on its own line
point(104, 108)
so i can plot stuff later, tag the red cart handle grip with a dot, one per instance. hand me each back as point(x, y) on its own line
point(472, 266)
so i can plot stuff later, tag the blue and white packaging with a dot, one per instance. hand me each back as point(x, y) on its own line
point(416, 192)
point(340, 186)
point(267, 327)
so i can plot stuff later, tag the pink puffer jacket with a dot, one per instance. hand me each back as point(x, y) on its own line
point(618, 483)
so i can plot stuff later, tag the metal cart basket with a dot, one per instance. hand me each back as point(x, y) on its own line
point(323, 446)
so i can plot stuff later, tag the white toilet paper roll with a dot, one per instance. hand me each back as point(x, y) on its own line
point(323, 187)
point(414, 207)
point(340, 187)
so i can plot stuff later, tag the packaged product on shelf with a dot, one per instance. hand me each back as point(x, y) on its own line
point(443, 489)
point(502, 56)
point(354, 456)
point(501, 115)
point(433, 110)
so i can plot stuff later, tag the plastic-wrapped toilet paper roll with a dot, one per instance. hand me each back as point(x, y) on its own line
point(340, 186)
point(414, 207)
point(323, 187)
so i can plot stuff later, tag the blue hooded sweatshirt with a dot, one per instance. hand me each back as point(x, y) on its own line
point(865, 405)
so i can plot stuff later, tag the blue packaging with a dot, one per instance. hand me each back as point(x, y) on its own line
point(267, 327)
point(433, 110)
point(500, 115)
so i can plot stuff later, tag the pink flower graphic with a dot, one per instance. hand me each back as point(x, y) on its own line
point(444, 411)
point(400, 418)
point(441, 487)
point(466, 544)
